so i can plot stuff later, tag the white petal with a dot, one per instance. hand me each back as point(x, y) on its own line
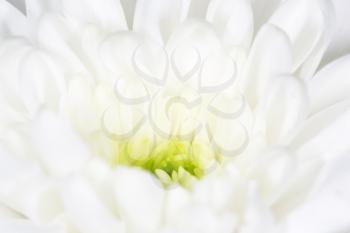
point(12, 51)
point(197, 34)
point(262, 10)
point(12, 21)
point(176, 200)
point(229, 104)
point(158, 18)
point(185, 62)
point(86, 211)
point(233, 20)
point(24, 226)
point(270, 55)
point(340, 44)
point(222, 67)
point(325, 134)
point(121, 121)
point(35, 198)
point(81, 106)
point(312, 63)
point(302, 176)
point(59, 148)
point(305, 24)
point(200, 218)
point(219, 192)
point(25, 190)
point(273, 171)
point(37, 8)
point(16, 140)
point(283, 107)
point(330, 85)
point(117, 52)
point(99, 175)
point(53, 32)
point(41, 83)
point(230, 146)
point(8, 213)
point(151, 62)
point(106, 13)
point(328, 209)
point(258, 217)
point(14, 171)
point(139, 199)
point(131, 90)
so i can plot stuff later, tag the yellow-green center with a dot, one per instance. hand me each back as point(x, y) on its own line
point(172, 160)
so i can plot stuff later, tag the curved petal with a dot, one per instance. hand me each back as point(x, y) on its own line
point(325, 134)
point(12, 21)
point(35, 198)
point(329, 204)
point(221, 67)
point(7, 213)
point(116, 52)
point(150, 61)
point(233, 20)
point(139, 199)
point(80, 106)
point(262, 10)
point(312, 63)
point(14, 171)
point(35, 87)
point(307, 24)
point(199, 35)
point(269, 56)
point(231, 146)
point(54, 34)
point(25, 190)
point(330, 85)
point(129, 54)
point(120, 121)
point(90, 39)
point(82, 206)
point(283, 108)
point(37, 8)
point(299, 183)
point(12, 51)
point(158, 18)
point(175, 202)
point(59, 148)
point(106, 13)
point(200, 218)
point(340, 44)
point(273, 170)
point(25, 226)
point(258, 217)
point(218, 192)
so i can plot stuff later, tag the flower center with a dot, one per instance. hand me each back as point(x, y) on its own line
point(171, 160)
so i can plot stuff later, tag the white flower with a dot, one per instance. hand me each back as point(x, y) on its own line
point(172, 116)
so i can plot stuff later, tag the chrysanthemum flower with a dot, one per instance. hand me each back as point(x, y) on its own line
point(168, 116)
